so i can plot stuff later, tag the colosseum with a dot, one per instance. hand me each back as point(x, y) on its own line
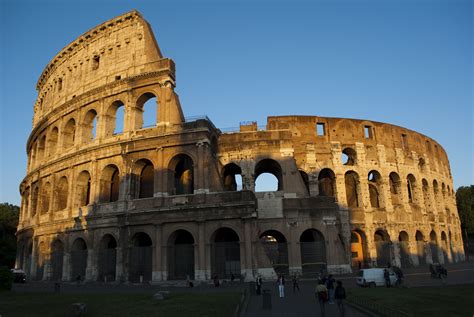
point(109, 197)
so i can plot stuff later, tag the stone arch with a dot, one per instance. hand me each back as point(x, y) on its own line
point(89, 126)
point(225, 253)
point(34, 199)
point(426, 195)
point(141, 258)
point(275, 246)
point(111, 125)
point(57, 256)
point(61, 193)
point(434, 247)
point(403, 240)
point(45, 197)
point(83, 189)
point(53, 141)
point(230, 175)
point(147, 104)
point(422, 164)
point(40, 260)
point(41, 148)
point(79, 254)
point(269, 166)
point(313, 252)
point(352, 189)
point(444, 246)
point(26, 203)
point(107, 258)
point(383, 247)
point(435, 190)
point(69, 134)
point(348, 156)
point(143, 179)
point(411, 188)
point(443, 190)
point(395, 189)
point(374, 184)
point(327, 182)
point(181, 169)
point(181, 255)
point(110, 184)
point(359, 248)
point(420, 247)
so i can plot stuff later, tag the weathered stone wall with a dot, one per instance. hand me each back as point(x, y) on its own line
point(162, 202)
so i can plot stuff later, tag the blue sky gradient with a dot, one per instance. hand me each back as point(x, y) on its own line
point(403, 62)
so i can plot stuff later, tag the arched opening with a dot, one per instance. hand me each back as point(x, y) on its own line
point(83, 186)
point(444, 246)
point(225, 253)
point(420, 248)
point(443, 190)
point(149, 104)
point(232, 177)
point(313, 253)
point(374, 182)
point(182, 169)
point(41, 148)
point(53, 141)
point(107, 258)
point(109, 184)
point(435, 190)
point(28, 257)
point(40, 260)
point(411, 187)
point(89, 126)
point(268, 176)
point(434, 247)
point(61, 193)
point(57, 256)
point(69, 134)
point(45, 197)
point(382, 245)
point(141, 258)
point(276, 249)
point(348, 156)
point(305, 179)
point(395, 189)
point(404, 249)
point(326, 182)
point(26, 203)
point(421, 164)
point(78, 259)
point(34, 200)
point(146, 180)
point(181, 255)
point(426, 197)
point(352, 189)
point(114, 119)
point(358, 249)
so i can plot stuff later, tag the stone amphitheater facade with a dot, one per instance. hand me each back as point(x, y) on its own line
point(106, 202)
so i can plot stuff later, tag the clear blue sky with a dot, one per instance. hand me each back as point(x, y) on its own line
point(403, 62)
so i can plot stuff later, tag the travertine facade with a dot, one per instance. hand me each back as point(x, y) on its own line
point(134, 203)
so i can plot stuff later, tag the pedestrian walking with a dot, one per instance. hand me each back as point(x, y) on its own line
point(295, 283)
point(340, 296)
point(386, 276)
point(330, 286)
point(258, 285)
point(321, 294)
point(281, 285)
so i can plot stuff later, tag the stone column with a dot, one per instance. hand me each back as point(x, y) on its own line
point(247, 271)
point(66, 267)
point(90, 267)
point(157, 269)
point(294, 250)
point(161, 175)
point(201, 272)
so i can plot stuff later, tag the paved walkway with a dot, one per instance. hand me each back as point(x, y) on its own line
point(299, 304)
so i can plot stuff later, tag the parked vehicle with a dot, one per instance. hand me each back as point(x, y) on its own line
point(374, 277)
point(19, 276)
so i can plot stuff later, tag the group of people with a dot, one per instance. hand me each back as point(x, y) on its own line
point(328, 290)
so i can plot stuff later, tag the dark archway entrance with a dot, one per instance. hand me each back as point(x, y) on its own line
point(358, 249)
point(57, 255)
point(404, 249)
point(276, 249)
point(78, 259)
point(420, 248)
point(107, 258)
point(181, 255)
point(141, 258)
point(382, 245)
point(313, 253)
point(434, 247)
point(225, 253)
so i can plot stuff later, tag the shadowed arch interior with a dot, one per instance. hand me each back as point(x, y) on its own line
point(268, 166)
point(313, 252)
point(141, 258)
point(79, 255)
point(327, 182)
point(232, 176)
point(276, 250)
point(107, 258)
point(181, 255)
point(225, 253)
point(182, 170)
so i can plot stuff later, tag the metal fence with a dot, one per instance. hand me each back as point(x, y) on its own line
point(225, 259)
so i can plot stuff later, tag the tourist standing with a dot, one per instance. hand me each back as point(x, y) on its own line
point(330, 286)
point(340, 296)
point(322, 296)
point(386, 276)
point(258, 285)
point(295, 283)
point(281, 285)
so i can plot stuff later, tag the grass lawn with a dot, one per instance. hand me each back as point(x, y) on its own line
point(47, 304)
point(455, 300)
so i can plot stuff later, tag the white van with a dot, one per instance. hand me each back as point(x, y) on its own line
point(374, 277)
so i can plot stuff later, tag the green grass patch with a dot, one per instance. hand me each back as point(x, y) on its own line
point(455, 300)
point(124, 304)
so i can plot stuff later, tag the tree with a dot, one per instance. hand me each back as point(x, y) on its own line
point(465, 202)
point(8, 222)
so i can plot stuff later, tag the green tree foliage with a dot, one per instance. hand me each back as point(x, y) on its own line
point(8, 221)
point(465, 202)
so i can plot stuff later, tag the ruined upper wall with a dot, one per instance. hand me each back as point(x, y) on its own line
point(119, 48)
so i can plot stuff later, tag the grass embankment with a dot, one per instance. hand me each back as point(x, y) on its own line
point(47, 304)
point(455, 300)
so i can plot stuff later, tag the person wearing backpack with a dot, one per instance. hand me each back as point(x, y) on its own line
point(330, 286)
point(340, 296)
point(322, 296)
